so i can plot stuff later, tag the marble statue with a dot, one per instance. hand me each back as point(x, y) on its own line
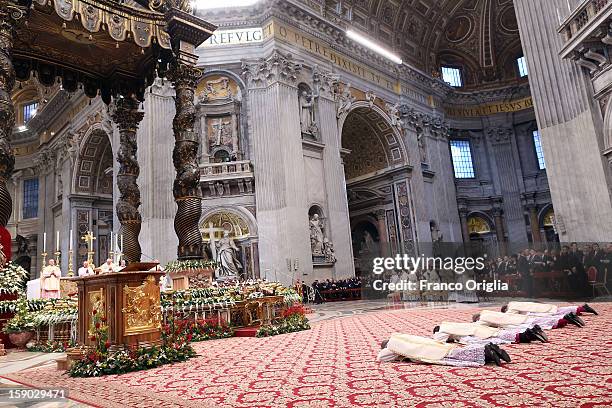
point(368, 242)
point(345, 100)
point(394, 114)
point(370, 98)
point(307, 118)
point(328, 251)
point(2, 257)
point(220, 128)
point(229, 265)
point(316, 235)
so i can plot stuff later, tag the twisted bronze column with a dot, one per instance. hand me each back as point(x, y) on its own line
point(10, 14)
point(186, 188)
point(125, 114)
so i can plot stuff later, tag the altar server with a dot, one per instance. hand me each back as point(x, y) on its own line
point(402, 347)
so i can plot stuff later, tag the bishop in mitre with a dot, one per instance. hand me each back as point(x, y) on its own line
point(402, 347)
point(50, 280)
point(541, 309)
point(472, 333)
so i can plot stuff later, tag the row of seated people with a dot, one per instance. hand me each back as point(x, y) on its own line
point(572, 267)
point(332, 290)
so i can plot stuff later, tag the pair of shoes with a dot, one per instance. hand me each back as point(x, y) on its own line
point(574, 319)
point(494, 354)
point(588, 309)
point(539, 334)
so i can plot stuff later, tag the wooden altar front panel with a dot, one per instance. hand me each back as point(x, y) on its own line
point(114, 295)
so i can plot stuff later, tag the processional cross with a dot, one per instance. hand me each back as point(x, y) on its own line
point(89, 239)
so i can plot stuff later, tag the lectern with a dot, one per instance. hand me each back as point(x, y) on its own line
point(130, 301)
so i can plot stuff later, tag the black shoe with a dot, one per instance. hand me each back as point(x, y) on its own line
point(491, 356)
point(588, 309)
point(525, 337)
point(573, 319)
point(436, 329)
point(539, 334)
point(501, 353)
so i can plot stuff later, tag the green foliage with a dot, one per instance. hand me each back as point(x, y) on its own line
point(178, 266)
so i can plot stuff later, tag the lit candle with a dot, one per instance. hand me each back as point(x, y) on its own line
point(71, 239)
point(111, 242)
point(56, 241)
point(44, 242)
point(121, 249)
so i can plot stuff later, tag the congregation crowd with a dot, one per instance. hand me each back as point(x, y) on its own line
point(332, 290)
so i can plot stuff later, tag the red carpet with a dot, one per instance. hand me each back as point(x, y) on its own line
point(333, 365)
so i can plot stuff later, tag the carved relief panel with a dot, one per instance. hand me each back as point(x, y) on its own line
point(219, 108)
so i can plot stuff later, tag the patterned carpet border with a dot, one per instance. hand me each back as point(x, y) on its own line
point(333, 365)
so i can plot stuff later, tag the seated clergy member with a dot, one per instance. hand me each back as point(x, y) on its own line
point(85, 270)
point(471, 333)
point(534, 308)
point(50, 280)
point(108, 266)
point(499, 319)
point(401, 347)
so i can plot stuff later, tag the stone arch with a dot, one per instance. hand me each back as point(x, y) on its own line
point(373, 142)
point(479, 215)
point(95, 158)
point(608, 125)
point(238, 212)
point(543, 215)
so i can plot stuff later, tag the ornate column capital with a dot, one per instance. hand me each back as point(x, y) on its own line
point(274, 68)
point(381, 214)
point(499, 135)
point(124, 112)
point(325, 84)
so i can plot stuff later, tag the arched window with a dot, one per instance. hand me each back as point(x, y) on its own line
point(452, 76)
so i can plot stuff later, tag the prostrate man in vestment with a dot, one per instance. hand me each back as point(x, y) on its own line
point(473, 333)
point(108, 266)
point(401, 347)
point(499, 319)
point(50, 280)
point(540, 309)
point(85, 270)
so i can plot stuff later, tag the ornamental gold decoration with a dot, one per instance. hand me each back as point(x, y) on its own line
point(142, 308)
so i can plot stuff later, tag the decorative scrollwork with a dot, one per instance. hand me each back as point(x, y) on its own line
point(142, 307)
point(165, 5)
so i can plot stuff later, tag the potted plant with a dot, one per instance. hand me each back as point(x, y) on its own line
point(20, 328)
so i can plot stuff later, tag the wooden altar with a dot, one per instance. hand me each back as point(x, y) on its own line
point(192, 278)
point(130, 301)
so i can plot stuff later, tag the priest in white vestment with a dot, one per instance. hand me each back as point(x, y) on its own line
point(534, 308)
point(50, 280)
point(401, 347)
point(85, 270)
point(471, 333)
point(108, 266)
point(500, 319)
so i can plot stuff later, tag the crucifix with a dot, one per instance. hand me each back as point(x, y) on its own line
point(211, 230)
point(89, 239)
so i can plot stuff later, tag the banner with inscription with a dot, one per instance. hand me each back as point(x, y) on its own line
point(234, 37)
point(489, 108)
point(282, 32)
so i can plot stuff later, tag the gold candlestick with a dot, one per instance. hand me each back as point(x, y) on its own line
point(70, 266)
point(44, 262)
point(58, 257)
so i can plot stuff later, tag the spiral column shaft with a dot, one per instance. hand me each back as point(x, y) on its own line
point(186, 187)
point(125, 114)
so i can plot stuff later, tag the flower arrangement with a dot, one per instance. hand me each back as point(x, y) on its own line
point(22, 321)
point(201, 330)
point(52, 346)
point(178, 266)
point(13, 279)
point(101, 360)
point(293, 319)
